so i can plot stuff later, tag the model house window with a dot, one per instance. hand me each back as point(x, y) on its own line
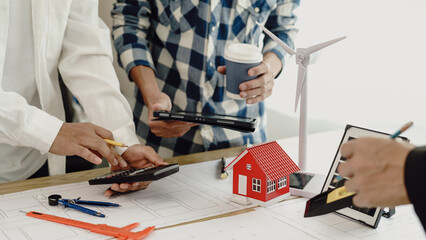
point(282, 182)
point(248, 166)
point(255, 185)
point(270, 186)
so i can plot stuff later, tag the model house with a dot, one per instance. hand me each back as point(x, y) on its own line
point(261, 174)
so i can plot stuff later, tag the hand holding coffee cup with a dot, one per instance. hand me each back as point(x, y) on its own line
point(240, 58)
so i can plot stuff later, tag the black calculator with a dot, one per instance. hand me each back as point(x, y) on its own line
point(136, 175)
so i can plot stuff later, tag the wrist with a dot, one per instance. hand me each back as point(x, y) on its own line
point(274, 62)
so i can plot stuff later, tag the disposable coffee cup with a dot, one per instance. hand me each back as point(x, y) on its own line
point(240, 57)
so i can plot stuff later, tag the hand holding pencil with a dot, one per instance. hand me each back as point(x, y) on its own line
point(114, 143)
point(92, 142)
point(375, 168)
point(87, 141)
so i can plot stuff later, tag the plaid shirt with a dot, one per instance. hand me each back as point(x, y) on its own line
point(184, 42)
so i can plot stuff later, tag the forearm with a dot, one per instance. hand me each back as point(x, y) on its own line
point(156, 100)
point(144, 78)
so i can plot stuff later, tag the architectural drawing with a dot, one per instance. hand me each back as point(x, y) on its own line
point(195, 192)
point(191, 194)
point(404, 225)
point(285, 221)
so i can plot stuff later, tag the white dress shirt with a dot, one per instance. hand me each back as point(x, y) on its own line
point(18, 76)
point(38, 38)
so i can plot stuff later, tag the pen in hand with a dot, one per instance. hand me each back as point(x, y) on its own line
point(393, 136)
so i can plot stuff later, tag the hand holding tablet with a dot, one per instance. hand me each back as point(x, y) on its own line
point(242, 124)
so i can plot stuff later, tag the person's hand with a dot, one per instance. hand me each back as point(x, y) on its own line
point(258, 89)
point(137, 156)
point(155, 100)
point(87, 141)
point(166, 129)
point(375, 168)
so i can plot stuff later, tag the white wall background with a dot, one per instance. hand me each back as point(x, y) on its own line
point(375, 78)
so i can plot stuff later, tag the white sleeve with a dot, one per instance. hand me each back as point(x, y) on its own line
point(86, 68)
point(24, 125)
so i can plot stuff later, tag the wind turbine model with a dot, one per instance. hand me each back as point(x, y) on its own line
point(303, 60)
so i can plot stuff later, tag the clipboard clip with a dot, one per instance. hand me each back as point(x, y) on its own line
point(390, 213)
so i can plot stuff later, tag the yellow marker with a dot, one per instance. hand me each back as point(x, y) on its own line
point(338, 194)
point(114, 143)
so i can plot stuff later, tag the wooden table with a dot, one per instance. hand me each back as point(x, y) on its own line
point(81, 176)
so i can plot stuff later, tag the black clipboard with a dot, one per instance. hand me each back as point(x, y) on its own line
point(368, 216)
point(242, 124)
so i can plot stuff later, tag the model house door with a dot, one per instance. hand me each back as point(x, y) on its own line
point(242, 184)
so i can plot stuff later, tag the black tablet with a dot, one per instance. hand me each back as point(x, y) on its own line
point(242, 124)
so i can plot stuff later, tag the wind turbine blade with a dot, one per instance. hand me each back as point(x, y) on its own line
point(288, 49)
point(301, 75)
point(320, 46)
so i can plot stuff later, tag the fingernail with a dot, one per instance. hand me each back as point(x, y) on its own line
point(98, 160)
point(123, 164)
point(115, 188)
point(243, 94)
point(243, 87)
point(249, 101)
point(251, 73)
point(115, 162)
point(125, 186)
point(135, 184)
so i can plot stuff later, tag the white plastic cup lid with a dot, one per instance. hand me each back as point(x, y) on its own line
point(243, 52)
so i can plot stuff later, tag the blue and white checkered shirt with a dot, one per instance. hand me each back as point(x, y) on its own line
point(184, 42)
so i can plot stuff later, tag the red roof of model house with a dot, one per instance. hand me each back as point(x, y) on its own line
point(271, 158)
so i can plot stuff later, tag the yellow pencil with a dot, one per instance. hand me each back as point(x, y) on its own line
point(115, 143)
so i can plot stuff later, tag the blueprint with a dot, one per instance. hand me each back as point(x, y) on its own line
point(258, 225)
point(194, 192)
point(403, 225)
point(285, 221)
